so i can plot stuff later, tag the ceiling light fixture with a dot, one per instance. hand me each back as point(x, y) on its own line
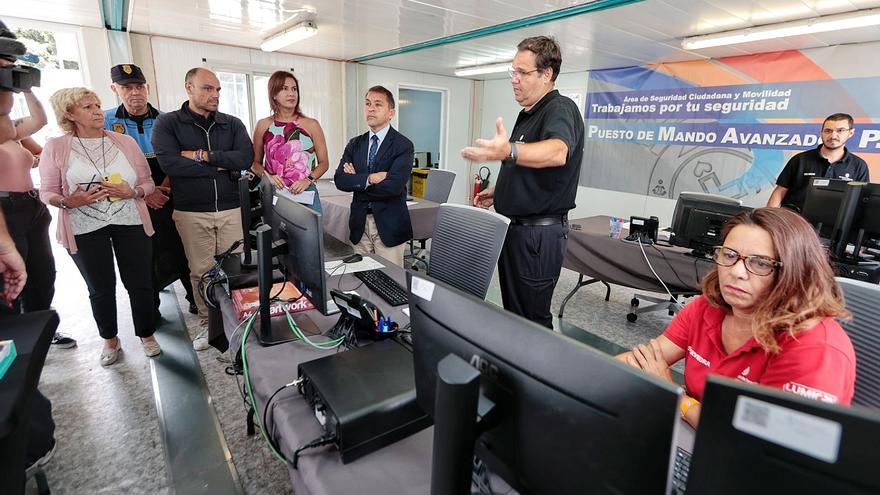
point(836, 22)
point(289, 36)
point(482, 69)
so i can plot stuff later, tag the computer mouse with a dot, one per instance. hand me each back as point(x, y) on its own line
point(354, 258)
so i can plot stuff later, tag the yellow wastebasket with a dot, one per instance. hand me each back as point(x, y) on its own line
point(419, 178)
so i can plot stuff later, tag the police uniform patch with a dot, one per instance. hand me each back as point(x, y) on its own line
point(118, 127)
point(127, 69)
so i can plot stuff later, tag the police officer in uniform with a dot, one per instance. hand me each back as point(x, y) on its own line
point(540, 167)
point(135, 117)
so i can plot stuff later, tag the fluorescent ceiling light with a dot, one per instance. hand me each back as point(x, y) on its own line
point(299, 32)
point(836, 22)
point(482, 69)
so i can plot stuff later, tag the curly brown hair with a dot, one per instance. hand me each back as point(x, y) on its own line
point(803, 287)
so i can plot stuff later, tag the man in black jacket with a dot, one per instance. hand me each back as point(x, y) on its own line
point(203, 151)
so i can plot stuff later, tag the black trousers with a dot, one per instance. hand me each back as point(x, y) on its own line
point(94, 258)
point(27, 219)
point(169, 258)
point(529, 267)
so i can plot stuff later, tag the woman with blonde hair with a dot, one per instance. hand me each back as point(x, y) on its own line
point(766, 316)
point(97, 180)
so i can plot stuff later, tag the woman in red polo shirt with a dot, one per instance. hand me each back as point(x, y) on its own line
point(767, 316)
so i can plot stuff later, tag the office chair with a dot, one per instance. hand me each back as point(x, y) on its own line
point(863, 301)
point(437, 189)
point(465, 247)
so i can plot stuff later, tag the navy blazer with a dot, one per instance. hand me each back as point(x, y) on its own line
point(387, 198)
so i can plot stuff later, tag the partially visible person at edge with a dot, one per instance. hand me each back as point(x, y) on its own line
point(135, 117)
point(289, 146)
point(98, 181)
point(27, 217)
point(767, 315)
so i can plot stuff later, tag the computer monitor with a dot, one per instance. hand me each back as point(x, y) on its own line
point(248, 236)
point(755, 439)
point(699, 218)
point(831, 206)
point(822, 204)
point(866, 221)
point(303, 230)
point(568, 419)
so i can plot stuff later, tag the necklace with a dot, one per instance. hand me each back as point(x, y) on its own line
point(94, 162)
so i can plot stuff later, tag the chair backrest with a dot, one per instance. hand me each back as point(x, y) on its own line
point(439, 185)
point(863, 301)
point(465, 247)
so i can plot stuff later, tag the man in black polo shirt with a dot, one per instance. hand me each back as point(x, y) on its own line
point(830, 160)
point(538, 181)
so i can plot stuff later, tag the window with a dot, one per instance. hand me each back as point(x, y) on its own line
point(244, 95)
point(56, 54)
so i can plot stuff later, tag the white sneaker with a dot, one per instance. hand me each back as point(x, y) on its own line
point(109, 355)
point(200, 343)
point(151, 348)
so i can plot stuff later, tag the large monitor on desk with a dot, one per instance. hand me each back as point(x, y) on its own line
point(568, 419)
point(823, 203)
point(755, 439)
point(866, 221)
point(303, 230)
point(699, 218)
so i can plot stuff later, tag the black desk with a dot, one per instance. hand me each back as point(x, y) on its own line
point(592, 253)
point(32, 333)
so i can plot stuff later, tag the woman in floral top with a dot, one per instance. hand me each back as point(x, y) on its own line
point(289, 146)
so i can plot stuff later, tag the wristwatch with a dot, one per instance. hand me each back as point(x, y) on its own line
point(512, 155)
point(62, 205)
point(312, 178)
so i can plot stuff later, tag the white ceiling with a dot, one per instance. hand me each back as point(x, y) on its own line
point(639, 33)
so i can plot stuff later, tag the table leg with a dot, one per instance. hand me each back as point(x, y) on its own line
point(581, 283)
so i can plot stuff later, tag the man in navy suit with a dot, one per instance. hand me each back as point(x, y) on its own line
point(376, 166)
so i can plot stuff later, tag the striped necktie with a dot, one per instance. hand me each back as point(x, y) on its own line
point(374, 147)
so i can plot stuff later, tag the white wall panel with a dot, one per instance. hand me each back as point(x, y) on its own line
point(458, 115)
point(321, 80)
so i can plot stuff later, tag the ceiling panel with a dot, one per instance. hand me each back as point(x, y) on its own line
point(76, 12)
point(646, 32)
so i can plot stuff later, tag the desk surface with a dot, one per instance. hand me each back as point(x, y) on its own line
point(337, 208)
point(403, 467)
point(591, 252)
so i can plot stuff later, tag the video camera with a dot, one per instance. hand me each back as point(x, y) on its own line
point(18, 78)
point(15, 78)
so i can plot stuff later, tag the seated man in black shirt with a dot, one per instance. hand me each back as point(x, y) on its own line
point(830, 160)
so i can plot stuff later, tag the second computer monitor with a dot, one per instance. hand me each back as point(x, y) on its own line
point(699, 219)
point(570, 420)
point(303, 230)
point(822, 204)
point(754, 439)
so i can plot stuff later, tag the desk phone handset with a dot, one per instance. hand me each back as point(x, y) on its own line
point(362, 316)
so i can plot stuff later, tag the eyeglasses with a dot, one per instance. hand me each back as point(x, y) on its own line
point(758, 265)
point(842, 130)
point(518, 73)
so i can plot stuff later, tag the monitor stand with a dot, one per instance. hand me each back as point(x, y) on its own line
point(275, 331)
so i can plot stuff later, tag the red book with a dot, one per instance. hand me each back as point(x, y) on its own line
point(247, 300)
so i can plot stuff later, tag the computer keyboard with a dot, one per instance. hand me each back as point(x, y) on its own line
point(382, 284)
point(680, 471)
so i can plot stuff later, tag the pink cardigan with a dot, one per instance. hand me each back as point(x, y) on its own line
point(53, 179)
